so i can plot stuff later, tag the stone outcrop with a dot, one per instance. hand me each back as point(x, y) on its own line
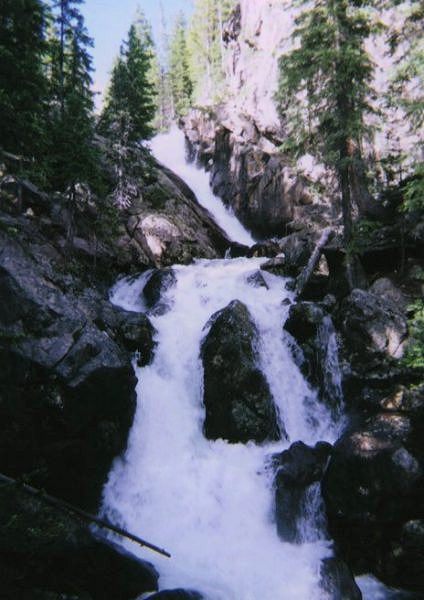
point(311, 326)
point(374, 493)
point(66, 383)
point(166, 225)
point(238, 403)
point(337, 581)
point(373, 331)
point(249, 173)
point(46, 553)
point(239, 138)
point(296, 470)
point(158, 283)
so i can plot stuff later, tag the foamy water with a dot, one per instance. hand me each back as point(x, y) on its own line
point(169, 149)
point(210, 503)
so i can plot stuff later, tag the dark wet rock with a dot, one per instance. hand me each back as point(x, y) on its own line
point(178, 594)
point(297, 249)
point(386, 289)
point(304, 320)
point(236, 250)
point(312, 327)
point(239, 406)
point(404, 560)
point(158, 283)
point(257, 280)
point(249, 173)
point(337, 581)
point(268, 248)
point(373, 334)
point(301, 464)
point(67, 387)
point(296, 470)
point(136, 334)
point(276, 265)
point(374, 485)
point(44, 551)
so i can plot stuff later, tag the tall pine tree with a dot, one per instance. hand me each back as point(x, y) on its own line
point(22, 83)
point(408, 93)
point(331, 72)
point(206, 47)
point(72, 157)
point(130, 103)
point(179, 74)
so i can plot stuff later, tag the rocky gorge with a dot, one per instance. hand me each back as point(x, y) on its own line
point(68, 384)
point(192, 386)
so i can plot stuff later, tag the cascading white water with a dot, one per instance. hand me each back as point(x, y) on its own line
point(169, 149)
point(210, 503)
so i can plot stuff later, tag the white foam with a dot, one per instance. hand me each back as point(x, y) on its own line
point(210, 503)
point(169, 149)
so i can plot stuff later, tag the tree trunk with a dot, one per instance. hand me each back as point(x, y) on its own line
point(305, 275)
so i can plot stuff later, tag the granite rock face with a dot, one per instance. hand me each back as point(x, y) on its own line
point(238, 403)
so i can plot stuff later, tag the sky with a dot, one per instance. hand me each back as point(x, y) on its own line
point(108, 22)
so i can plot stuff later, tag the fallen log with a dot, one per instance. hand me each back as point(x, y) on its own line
point(70, 508)
point(305, 275)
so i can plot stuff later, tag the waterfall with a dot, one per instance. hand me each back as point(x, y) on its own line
point(170, 150)
point(210, 502)
point(332, 377)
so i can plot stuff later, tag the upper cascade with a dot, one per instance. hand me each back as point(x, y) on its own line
point(170, 149)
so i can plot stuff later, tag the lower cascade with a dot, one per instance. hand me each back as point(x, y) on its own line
point(210, 502)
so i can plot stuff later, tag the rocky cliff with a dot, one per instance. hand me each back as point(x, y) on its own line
point(238, 139)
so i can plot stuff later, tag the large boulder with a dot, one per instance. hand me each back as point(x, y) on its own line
point(45, 550)
point(311, 326)
point(337, 581)
point(373, 333)
point(158, 283)
point(373, 487)
point(67, 386)
point(166, 224)
point(238, 403)
point(297, 469)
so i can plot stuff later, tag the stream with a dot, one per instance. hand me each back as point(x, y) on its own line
point(211, 503)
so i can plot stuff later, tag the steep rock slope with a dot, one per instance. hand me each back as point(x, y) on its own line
point(67, 384)
point(238, 138)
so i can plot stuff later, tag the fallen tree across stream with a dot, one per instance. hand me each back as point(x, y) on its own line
point(70, 508)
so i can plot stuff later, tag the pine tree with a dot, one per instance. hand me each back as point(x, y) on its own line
point(71, 156)
point(324, 90)
point(130, 103)
point(22, 83)
point(407, 91)
point(129, 111)
point(179, 75)
point(206, 47)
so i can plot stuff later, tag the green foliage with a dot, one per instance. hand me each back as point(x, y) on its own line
point(206, 47)
point(414, 191)
point(71, 156)
point(324, 90)
point(407, 89)
point(130, 103)
point(414, 356)
point(362, 234)
point(331, 70)
point(179, 74)
point(22, 82)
